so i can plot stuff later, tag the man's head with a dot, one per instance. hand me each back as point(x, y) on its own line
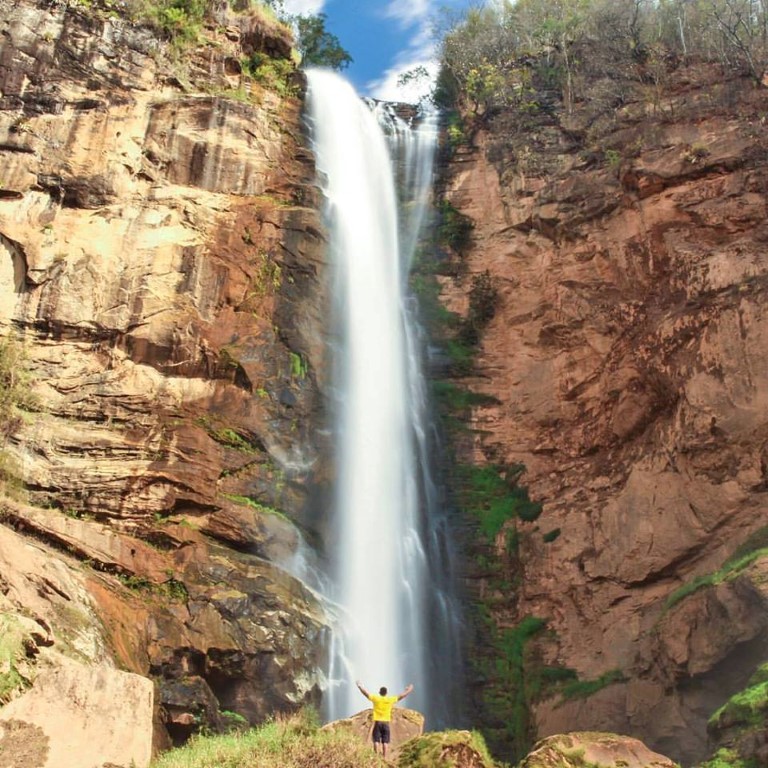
point(383, 691)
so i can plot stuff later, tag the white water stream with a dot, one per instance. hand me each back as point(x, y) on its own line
point(394, 622)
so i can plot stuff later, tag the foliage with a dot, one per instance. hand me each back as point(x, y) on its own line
point(454, 229)
point(583, 689)
point(736, 564)
point(275, 74)
point(483, 300)
point(748, 707)
point(317, 46)
point(294, 742)
point(728, 758)
point(12, 639)
point(493, 496)
point(438, 749)
point(511, 55)
point(508, 691)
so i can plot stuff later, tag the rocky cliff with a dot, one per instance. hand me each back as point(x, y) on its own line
point(160, 279)
point(625, 369)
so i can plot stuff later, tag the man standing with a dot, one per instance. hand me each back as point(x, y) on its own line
point(382, 714)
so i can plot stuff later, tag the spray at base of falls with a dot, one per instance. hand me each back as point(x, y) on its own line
point(396, 621)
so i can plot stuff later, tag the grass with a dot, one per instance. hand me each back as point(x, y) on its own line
point(12, 638)
point(736, 564)
point(583, 689)
point(747, 708)
point(294, 742)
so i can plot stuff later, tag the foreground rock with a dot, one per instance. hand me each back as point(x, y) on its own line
point(445, 749)
point(406, 724)
point(75, 716)
point(584, 750)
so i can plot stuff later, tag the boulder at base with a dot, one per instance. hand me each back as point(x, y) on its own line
point(445, 749)
point(406, 723)
point(76, 716)
point(586, 749)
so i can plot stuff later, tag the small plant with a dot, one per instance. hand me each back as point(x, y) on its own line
point(695, 153)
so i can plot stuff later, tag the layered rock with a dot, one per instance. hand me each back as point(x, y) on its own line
point(626, 370)
point(160, 264)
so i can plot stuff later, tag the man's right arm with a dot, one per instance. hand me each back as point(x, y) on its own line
point(362, 690)
point(407, 690)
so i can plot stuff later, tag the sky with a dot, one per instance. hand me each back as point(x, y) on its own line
point(384, 37)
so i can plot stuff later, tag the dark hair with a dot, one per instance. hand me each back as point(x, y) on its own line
point(383, 691)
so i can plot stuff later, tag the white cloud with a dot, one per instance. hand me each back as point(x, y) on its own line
point(409, 12)
point(303, 6)
point(419, 52)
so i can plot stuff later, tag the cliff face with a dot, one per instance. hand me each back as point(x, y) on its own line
point(160, 255)
point(627, 362)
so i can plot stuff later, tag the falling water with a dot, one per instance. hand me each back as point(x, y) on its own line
point(391, 606)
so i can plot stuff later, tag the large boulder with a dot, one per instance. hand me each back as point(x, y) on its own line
point(406, 724)
point(584, 750)
point(76, 715)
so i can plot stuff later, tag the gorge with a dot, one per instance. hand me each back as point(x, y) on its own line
point(595, 300)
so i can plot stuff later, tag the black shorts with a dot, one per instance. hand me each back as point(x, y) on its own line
point(380, 732)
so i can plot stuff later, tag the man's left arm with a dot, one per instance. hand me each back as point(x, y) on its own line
point(407, 690)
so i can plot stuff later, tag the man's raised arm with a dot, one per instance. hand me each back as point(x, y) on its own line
point(407, 690)
point(362, 690)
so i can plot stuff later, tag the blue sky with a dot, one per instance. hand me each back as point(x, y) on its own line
point(384, 37)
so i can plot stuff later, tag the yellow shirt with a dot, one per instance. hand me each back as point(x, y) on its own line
point(382, 707)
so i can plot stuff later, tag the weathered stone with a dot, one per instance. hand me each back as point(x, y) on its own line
point(580, 750)
point(626, 369)
point(405, 725)
point(77, 715)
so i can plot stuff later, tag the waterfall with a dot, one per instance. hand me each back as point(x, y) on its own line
point(396, 623)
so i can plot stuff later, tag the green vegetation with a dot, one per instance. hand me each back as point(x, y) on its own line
point(491, 494)
point(516, 55)
point(454, 229)
point(16, 401)
point(509, 687)
point(746, 708)
point(317, 46)
point(441, 749)
point(12, 640)
point(240, 441)
point(295, 742)
point(583, 689)
point(298, 366)
point(171, 589)
point(753, 549)
point(728, 758)
point(247, 501)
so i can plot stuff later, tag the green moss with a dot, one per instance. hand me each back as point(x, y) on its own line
point(551, 536)
point(454, 230)
point(728, 758)
point(583, 689)
point(262, 509)
point(441, 749)
point(492, 496)
point(12, 639)
point(735, 565)
point(746, 708)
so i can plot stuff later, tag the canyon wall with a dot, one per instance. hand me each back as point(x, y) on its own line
point(625, 367)
point(161, 278)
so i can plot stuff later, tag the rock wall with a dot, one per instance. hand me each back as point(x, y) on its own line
point(161, 267)
point(626, 369)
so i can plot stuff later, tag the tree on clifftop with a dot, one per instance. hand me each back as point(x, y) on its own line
point(318, 47)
